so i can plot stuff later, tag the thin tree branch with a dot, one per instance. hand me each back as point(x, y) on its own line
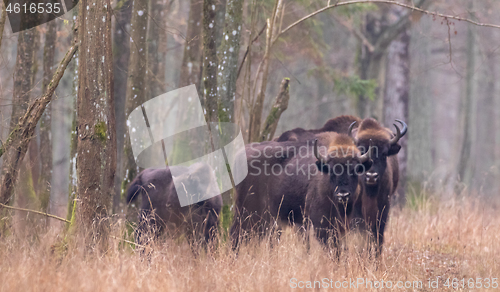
point(36, 212)
point(248, 49)
point(128, 241)
point(63, 220)
point(411, 7)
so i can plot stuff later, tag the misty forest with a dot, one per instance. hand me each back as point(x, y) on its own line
point(407, 92)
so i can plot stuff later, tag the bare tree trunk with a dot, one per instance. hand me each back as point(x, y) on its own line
point(23, 84)
point(73, 177)
point(45, 122)
point(397, 88)
point(483, 161)
point(420, 109)
point(136, 82)
point(121, 43)
point(161, 85)
point(191, 62)
point(191, 70)
point(484, 153)
point(25, 190)
point(210, 60)
point(468, 107)
point(229, 54)
point(496, 65)
point(156, 26)
point(32, 165)
point(96, 148)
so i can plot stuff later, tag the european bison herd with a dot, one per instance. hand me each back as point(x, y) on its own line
point(321, 181)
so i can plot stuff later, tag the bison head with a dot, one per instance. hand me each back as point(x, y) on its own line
point(344, 164)
point(385, 143)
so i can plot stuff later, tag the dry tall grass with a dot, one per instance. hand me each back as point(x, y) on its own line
point(455, 239)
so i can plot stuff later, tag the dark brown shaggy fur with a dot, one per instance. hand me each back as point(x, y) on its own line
point(264, 201)
point(372, 208)
point(160, 208)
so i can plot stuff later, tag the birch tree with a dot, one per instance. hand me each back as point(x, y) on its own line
point(210, 60)
point(229, 53)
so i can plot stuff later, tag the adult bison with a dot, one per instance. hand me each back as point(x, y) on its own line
point(332, 194)
point(381, 180)
point(285, 177)
point(160, 208)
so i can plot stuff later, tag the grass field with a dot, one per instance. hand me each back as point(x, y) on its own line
point(428, 239)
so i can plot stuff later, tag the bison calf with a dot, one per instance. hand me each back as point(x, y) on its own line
point(161, 211)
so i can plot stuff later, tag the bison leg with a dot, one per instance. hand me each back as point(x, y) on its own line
point(329, 239)
point(379, 229)
point(244, 224)
point(147, 229)
point(211, 226)
point(376, 228)
point(235, 234)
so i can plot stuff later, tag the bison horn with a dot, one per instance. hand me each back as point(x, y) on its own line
point(397, 137)
point(318, 155)
point(365, 157)
point(405, 127)
point(349, 131)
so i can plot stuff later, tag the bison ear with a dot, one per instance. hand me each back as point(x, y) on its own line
point(322, 167)
point(394, 149)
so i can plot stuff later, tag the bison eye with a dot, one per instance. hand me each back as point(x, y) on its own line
point(323, 167)
point(360, 169)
